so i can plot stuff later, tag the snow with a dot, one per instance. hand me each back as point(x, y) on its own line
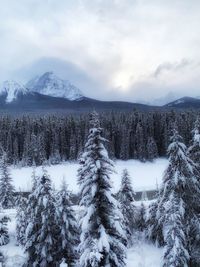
point(141, 254)
point(13, 254)
point(180, 101)
point(144, 176)
point(50, 84)
point(12, 89)
point(144, 255)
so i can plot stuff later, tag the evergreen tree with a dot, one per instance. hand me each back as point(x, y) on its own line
point(141, 220)
point(68, 227)
point(129, 211)
point(140, 142)
point(33, 223)
point(175, 251)
point(7, 199)
point(194, 149)
point(21, 221)
point(152, 150)
point(181, 186)
point(154, 229)
point(42, 231)
point(102, 238)
point(4, 236)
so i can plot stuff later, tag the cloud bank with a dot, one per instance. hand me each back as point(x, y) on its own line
point(111, 49)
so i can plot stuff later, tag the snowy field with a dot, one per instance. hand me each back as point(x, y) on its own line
point(140, 255)
point(145, 176)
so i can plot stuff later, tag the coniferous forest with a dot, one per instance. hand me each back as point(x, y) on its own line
point(34, 140)
point(104, 227)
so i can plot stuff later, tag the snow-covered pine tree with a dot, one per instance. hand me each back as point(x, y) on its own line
point(128, 209)
point(68, 227)
point(194, 149)
point(32, 223)
point(154, 229)
point(4, 236)
point(194, 154)
point(180, 180)
point(175, 251)
point(21, 221)
point(102, 238)
point(141, 220)
point(7, 199)
point(139, 141)
point(42, 231)
point(152, 149)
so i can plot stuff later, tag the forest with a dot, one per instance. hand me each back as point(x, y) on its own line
point(104, 226)
point(34, 140)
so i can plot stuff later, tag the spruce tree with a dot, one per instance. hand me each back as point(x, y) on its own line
point(7, 199)
point(141, 220)
point(4, 236)
point(181, 186)
point(194, 149)
point(33, 223)
point(102, 238)
point(68, 227)
point(152, 150)
point(140, 143)
point(129, 211)
point(175, 251)
point(21, 221)
point(42, 231)
point(154, 229)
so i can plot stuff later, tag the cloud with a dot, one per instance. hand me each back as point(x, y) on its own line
point(169, 66)
point(64, 69)
point(124, 47)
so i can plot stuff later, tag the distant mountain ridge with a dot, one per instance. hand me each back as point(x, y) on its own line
point(185, 102)
point(49, 93)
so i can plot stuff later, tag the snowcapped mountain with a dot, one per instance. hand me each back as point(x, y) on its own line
point(11, 90)
point(51, 85)
point(185, 102)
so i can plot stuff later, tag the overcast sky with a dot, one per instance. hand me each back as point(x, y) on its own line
point(111, 49)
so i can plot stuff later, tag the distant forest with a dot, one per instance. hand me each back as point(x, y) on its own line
point(30, 140)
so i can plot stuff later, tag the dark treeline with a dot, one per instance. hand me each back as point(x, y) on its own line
point(32, 140)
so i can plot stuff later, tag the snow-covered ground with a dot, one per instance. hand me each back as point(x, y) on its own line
point(145, 176)
point(140, 255)
point(144, 255)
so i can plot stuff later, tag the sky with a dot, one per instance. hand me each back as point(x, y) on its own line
point(133, 50)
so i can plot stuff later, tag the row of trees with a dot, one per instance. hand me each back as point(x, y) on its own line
point(135, 135)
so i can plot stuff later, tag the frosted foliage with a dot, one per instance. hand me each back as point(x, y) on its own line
point(6, 188)
point(129, 211)
point(41, 232)
point(170, 220)
point(68, 227)
point(102, 237)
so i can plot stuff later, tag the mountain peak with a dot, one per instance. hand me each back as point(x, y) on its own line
point(11, 89)
point(50, 84)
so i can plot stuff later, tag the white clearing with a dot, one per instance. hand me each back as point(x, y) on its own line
point(145, 176)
